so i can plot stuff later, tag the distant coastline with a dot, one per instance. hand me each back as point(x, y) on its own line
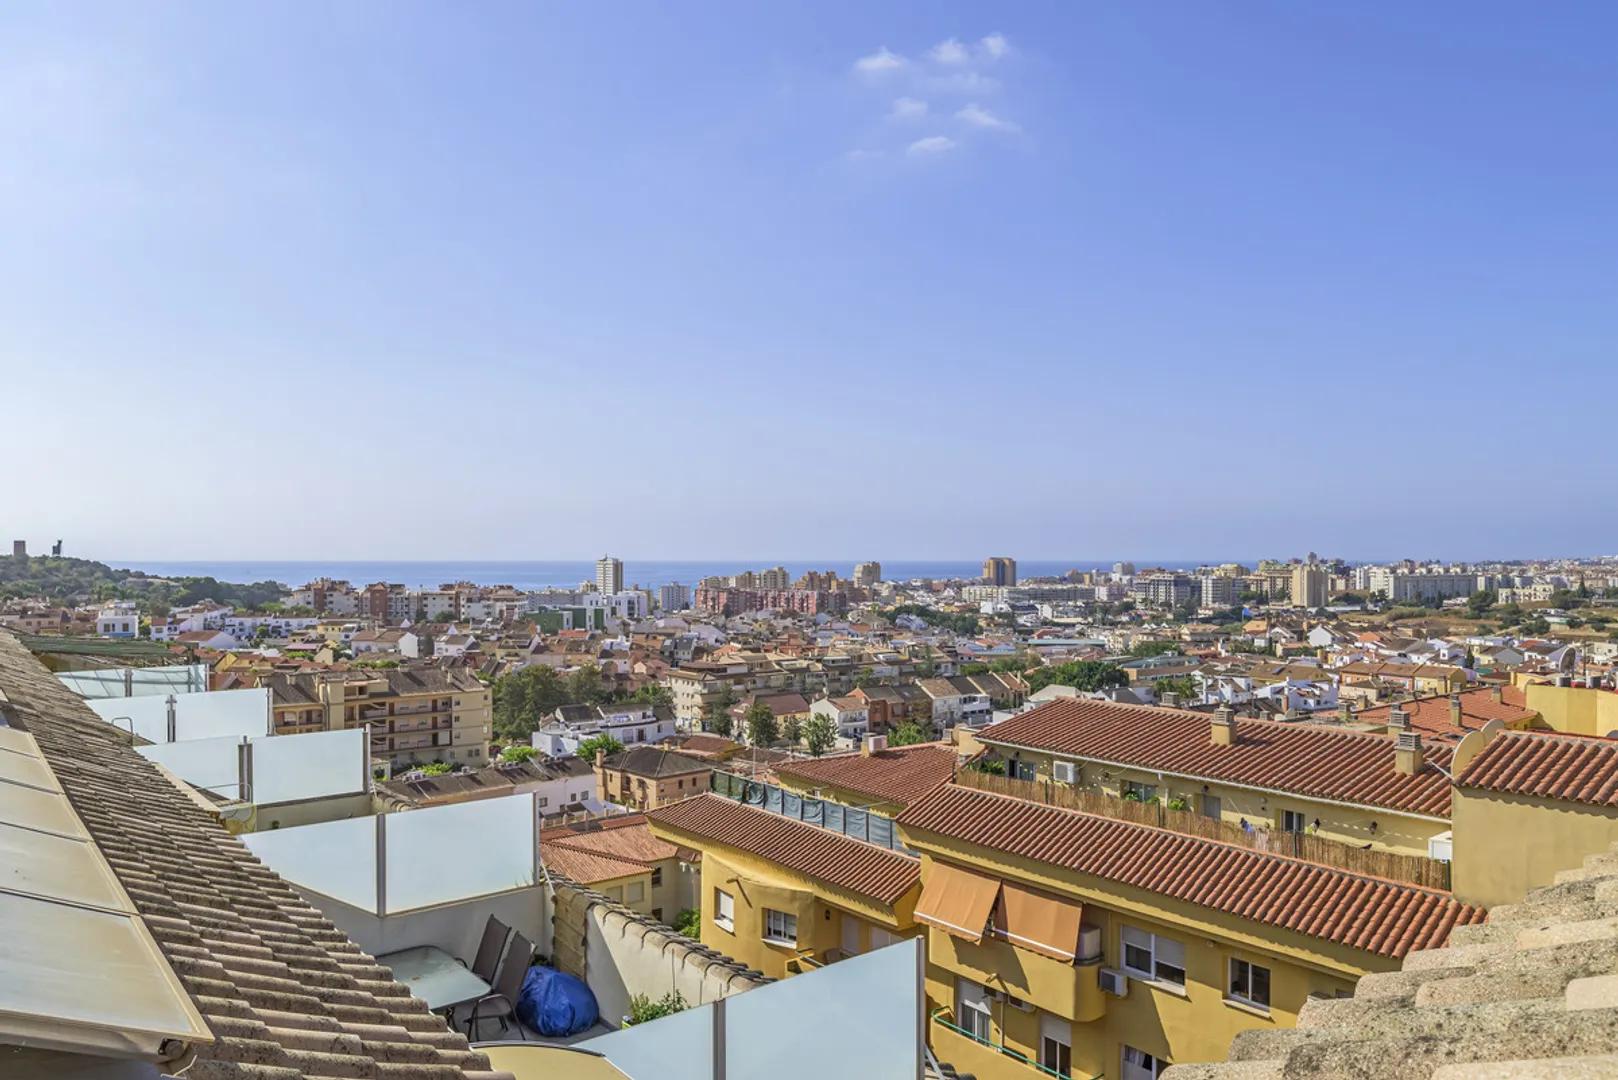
point(649, 573)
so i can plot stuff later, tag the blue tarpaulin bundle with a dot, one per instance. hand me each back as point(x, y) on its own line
point(555, 1003)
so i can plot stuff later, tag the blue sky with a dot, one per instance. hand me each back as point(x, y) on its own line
point(809, 280)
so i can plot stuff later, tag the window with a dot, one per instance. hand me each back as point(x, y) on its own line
point(724, 910)
point(1292, 821)
point(543, 801)
point(972, 1009)
point(1212, 807)
point(1154, 958)
point(1056, 1044)
point(1139, 1065)
point(781, 927)
point(657, 876)
point(1134, 789)
point(1249, 984)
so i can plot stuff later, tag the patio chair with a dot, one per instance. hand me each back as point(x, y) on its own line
point(488, 955)
point(501, 1004)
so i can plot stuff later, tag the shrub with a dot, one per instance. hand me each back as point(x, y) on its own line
point(642, 1008)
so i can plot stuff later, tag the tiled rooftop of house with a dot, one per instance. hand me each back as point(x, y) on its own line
point(1320, 762)
point(1383, 917)
point(1529, 995)
point(816, 853)
point(1546, 765)
point(900, 774)
point(603, 850)
point(285, 993)
point(1434, 715)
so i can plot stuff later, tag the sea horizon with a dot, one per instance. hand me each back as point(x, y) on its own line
point(530, 574)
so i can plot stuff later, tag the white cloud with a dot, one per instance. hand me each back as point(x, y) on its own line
point(931, 146)
point(862, 155)
point(977, 116)
point(908, 108)
point(995, 46)
point(962, 82)
point(949, 52)
point(879, 62)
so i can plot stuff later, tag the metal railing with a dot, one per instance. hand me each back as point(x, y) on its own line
point(941, 1018)
point(851, 821)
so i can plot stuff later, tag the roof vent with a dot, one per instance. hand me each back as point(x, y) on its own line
point(1455, 710)
point(873, 744)
point(1170, 700)
point(1223, 728)
point(1398, 719)
point(1407, 755)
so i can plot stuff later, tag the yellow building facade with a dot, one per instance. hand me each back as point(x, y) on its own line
point(1149, 978)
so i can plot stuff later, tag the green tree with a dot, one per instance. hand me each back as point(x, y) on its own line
point(1009, 664)
point(689, 922)
point(522, 698)
point(819, 733)
point(865, 677)
point(761, 725)
point(434, 768)
point(653, 694)
point(974, 668)
point(1145, 649)
point(908, 733)
point(716, 714)
point(517, 753)
point(606, 744)
point(792, 729)
point(1183, 685)
point(1479, 602)
point(1083, 675)
point(584, 686)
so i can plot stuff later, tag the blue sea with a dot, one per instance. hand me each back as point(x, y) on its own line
point(648, 573)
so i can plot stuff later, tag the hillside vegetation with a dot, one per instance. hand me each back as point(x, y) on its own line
point(75, 581)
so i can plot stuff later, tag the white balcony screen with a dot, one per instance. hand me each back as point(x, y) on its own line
point(447, 853)
point(334, 858)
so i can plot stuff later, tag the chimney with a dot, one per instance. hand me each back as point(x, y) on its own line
point(1407, 754)
point(601, 758)
point(1346, 711)
point(1497, 693)
point(1455, 710)
point(1223, 730)
point(1398, 719)
point(873, 744)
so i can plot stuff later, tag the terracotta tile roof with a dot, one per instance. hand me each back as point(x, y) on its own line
point(809, 850)
point(1387, 918)
point(285, 992)
point(901, 774)
point(1550, 766)
point(626, 843)
point(1319, 762)
point(1431, 715)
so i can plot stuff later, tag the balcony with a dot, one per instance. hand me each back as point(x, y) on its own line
point(807, 960)
point(969, 1054)
point(1069, 990)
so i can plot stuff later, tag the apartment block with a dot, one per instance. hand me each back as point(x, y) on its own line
point(416, 714)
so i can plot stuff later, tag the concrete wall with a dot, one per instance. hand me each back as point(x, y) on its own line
point(1577, 710)
point(621, 954)
point(455, 928)
point(1506, 845)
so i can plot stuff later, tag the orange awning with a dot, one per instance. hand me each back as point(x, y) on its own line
point(957, 901)
point(1039, 922)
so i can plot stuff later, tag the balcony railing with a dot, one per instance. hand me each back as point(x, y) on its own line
point(942, 1019)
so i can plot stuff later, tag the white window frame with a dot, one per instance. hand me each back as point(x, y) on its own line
point(1137, 1070)
point(1234, 985)
point(1055, 1035)
point(786, 921)
point(972, 1009)
point(1164, 952)
point(1143, 791)
point(724, 910)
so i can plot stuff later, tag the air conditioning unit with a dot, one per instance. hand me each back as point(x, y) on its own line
point(1113, 982)
point(1065, 771)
